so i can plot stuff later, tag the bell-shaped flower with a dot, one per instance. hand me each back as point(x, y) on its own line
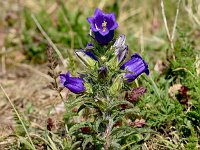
point(74, 84)
point(121, 50)
point(135, 67)
point(103, 26)
point(87, 57)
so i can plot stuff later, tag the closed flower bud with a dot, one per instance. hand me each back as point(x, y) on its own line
point(121, 53)
point(120, 41)
point(121, 49)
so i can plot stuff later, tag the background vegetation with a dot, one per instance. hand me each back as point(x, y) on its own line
point(171, 106)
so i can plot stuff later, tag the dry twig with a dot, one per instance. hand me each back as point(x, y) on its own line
point(172, 35)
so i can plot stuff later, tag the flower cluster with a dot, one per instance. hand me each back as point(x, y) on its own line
point(105, 88)
point(111, 54)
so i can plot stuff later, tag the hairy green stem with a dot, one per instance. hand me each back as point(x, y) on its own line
point(107, 132)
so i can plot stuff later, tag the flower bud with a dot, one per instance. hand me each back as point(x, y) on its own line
point(102, 72)
point(121, 49)
point(120, 41)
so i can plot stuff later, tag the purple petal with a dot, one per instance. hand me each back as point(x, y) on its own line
point(75, 80)
point(62, 79)
point(104, 33)
point(98, 19)
point(98, 12)
point(104, 39)
point(103, 26)
point(112, 24)
point(136, 65)
point(91, 20)
point(89, 45)
point(77, 88)
point(90, 54)
point(68, 74)
point(74, 84)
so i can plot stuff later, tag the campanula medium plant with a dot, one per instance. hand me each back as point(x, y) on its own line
point(105, 115)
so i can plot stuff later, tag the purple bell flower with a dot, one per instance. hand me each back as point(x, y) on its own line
point(74, 84)
point(103, 26)
point(135, 67)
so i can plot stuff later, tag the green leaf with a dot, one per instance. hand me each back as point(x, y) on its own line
point(78, 126)
point(75, 145)
point(115, 145)
point(88, 139)
point(26, 142)
point(51, 143)
point(117, 103)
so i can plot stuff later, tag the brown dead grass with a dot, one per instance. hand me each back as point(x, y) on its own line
point(25, 87)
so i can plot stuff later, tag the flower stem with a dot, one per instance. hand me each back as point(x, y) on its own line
point(107, 132)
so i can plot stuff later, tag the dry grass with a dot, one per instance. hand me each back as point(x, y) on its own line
point(27, 90)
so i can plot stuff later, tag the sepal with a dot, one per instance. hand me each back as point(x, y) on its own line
point(87, 58)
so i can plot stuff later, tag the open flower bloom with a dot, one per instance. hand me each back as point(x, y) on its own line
point(103, 26)
point(121, 49)
point(74, 84)
point(135, 67)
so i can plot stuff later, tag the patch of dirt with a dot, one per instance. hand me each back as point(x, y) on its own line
point(27, 87)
